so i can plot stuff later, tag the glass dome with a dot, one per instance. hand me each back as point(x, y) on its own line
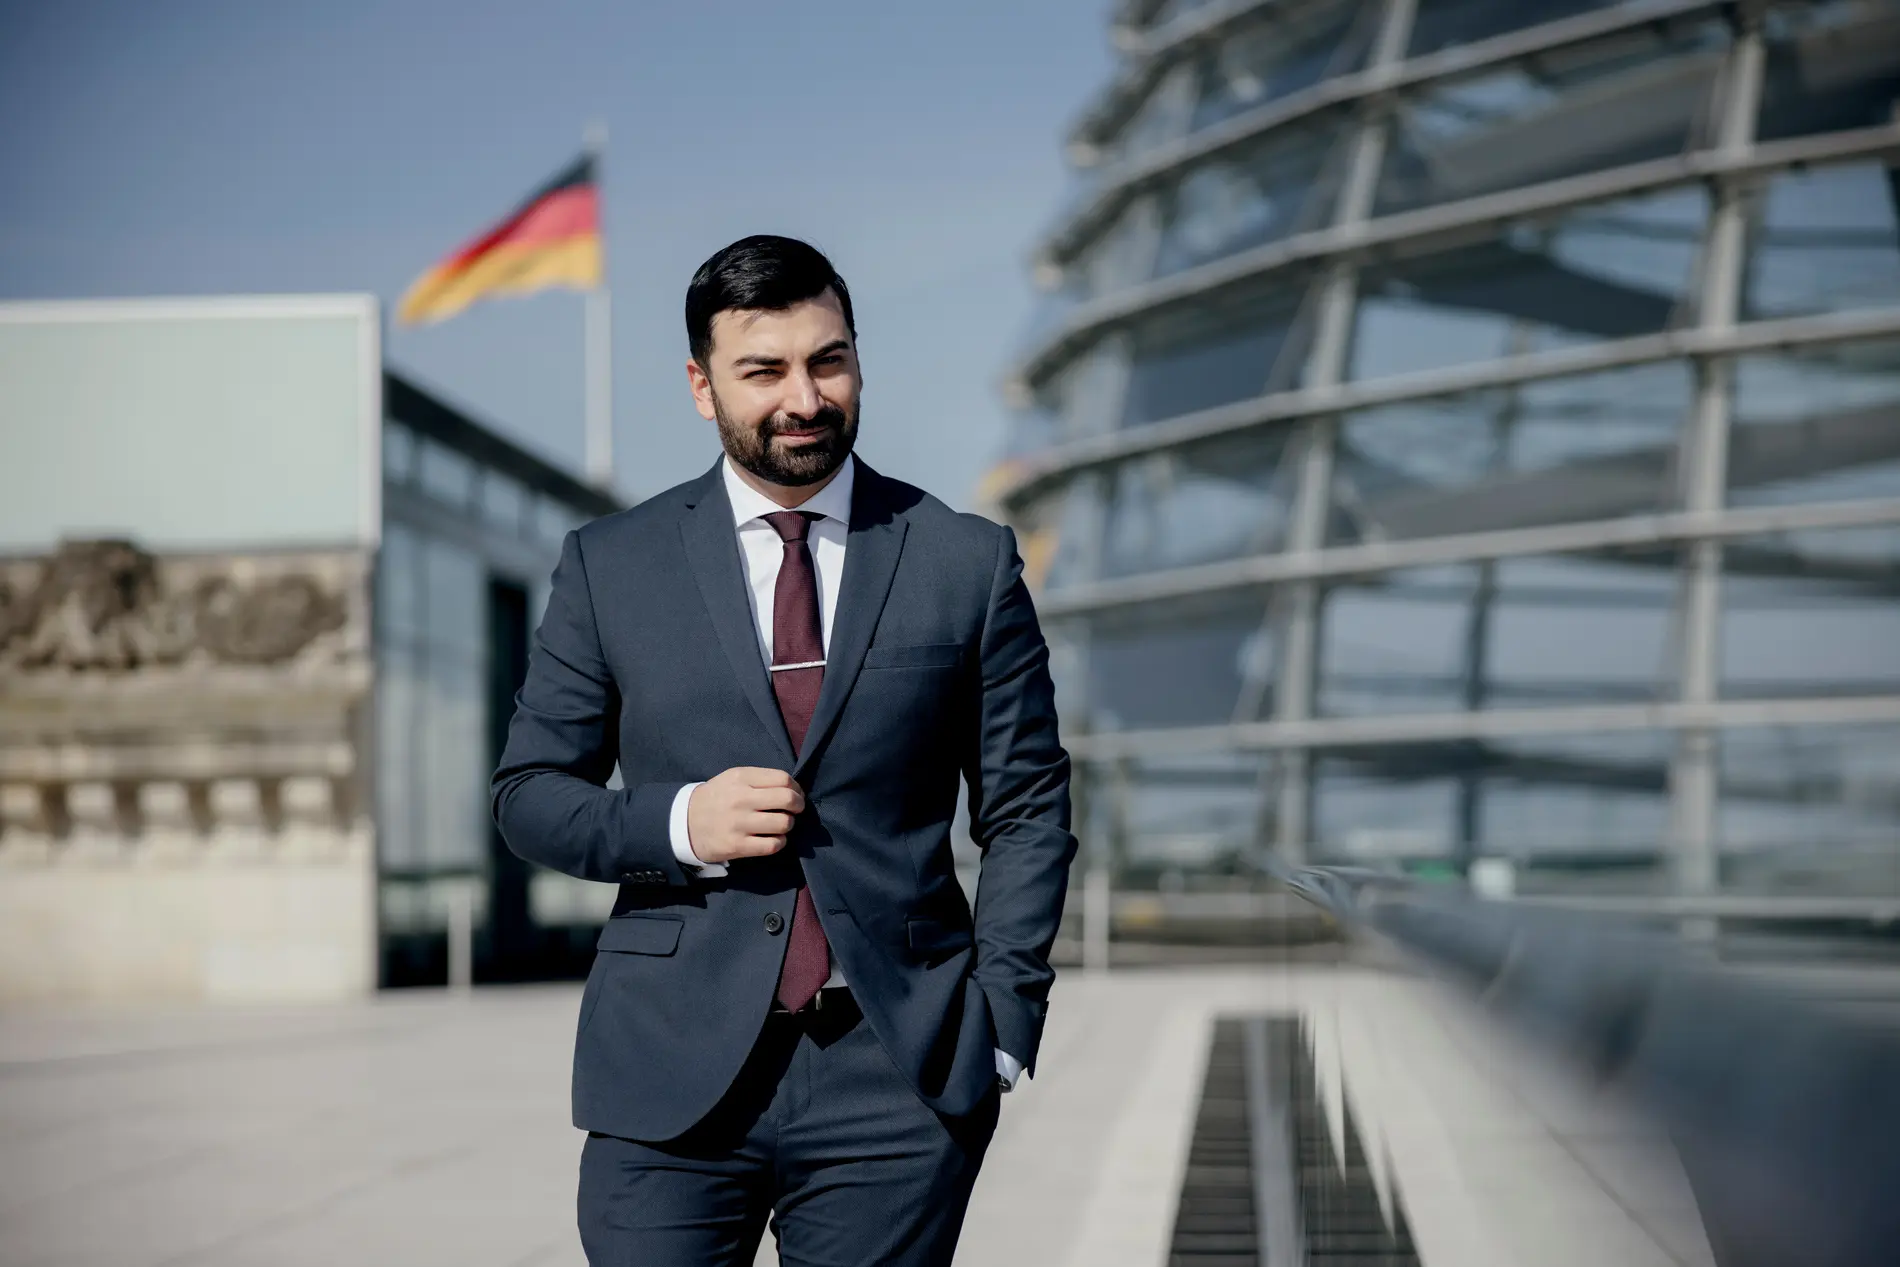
point(1466, 428)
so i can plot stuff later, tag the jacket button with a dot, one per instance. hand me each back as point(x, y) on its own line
point(774, 922)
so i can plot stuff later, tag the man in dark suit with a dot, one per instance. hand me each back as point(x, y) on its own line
point(792, 659)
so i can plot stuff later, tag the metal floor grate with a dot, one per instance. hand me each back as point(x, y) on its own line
point(1265, 1185)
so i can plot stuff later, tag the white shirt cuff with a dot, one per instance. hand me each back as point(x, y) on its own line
point(1008, 1068)
point(682, 841)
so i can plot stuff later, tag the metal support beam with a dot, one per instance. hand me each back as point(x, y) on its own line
point(1694, 774)
point(1490, 723)
point(1279, 408)
point(1299, 607)
point(1436, 228)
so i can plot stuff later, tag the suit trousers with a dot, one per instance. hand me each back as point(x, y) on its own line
point(820, 1132)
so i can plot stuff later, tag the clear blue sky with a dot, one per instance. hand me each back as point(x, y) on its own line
point(194, 147)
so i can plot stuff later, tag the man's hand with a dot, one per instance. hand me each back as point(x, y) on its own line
point(744, 812)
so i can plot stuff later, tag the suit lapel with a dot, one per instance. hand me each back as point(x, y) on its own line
point(712, 548)
point(875, 540)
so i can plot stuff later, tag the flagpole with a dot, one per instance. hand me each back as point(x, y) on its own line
point(598, 337)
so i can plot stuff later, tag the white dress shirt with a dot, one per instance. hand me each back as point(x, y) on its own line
point(762, 550)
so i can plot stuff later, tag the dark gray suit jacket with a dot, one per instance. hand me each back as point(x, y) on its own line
point(648, 656)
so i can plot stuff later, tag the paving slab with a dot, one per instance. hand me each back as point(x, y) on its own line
point(427, 1129)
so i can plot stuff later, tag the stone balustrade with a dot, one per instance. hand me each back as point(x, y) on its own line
point(172, 822)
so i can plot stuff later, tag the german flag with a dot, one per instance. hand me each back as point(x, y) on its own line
point(552, 239)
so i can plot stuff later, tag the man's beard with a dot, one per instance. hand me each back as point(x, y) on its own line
point(750, 445)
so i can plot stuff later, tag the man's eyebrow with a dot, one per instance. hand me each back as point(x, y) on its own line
point(770, 362)
point(836, 345)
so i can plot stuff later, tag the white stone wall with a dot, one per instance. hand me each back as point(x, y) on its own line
point(183, 807)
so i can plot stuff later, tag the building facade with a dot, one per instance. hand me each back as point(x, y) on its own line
point(1470, 428)
point(263, 609)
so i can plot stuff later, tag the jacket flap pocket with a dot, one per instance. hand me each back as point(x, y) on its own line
point(928, 655)
point(934, 937)
point(641, 934)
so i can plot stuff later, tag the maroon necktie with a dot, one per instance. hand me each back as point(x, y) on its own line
point(798, 670)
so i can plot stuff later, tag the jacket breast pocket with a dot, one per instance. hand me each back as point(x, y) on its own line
point(933, 939)
point(928, 655)
point(641, 935)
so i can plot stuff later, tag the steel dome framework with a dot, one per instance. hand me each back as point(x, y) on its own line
point(1467, 427)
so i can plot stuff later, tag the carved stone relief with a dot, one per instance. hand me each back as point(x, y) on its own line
point(110, 607)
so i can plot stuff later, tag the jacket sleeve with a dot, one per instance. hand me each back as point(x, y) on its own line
point(1018, 777)
point(551, 799)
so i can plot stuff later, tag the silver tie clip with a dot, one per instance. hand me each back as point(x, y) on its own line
point(803, 664)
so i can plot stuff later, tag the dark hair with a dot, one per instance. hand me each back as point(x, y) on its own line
point(760, 272)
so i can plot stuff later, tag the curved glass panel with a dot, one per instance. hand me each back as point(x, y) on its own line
point(1811, 807)
point(1189, 361)
point(1829, 67)
point(1811, 613)
point(1818, 424)
point(1179, 819)
point(1597, 446)
point(1529, 632)
point(1121, 257)
point(1180, 674)
point(1610, 271)
point(1198, 505)
point(1295, 47)
point(1825, 240)
point(1636, 96)
point(1444, 23)
point(1555, 802)
point(1281, 187)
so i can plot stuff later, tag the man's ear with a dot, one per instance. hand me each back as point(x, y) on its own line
point(697, 379)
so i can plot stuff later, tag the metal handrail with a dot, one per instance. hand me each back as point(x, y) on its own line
point(1785, 1114)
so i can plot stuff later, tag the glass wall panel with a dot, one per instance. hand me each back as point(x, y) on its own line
point(1811, 809)
point(1811, 613)
point(504, 502)
point(1296, 47)
point(1197, 505)
point(399, 787)
point(1597, 446)
point(552, 520)
point(1123, 255)
point(1816, 424)
point(1174, 819)
point(1092, 387)
point(454, 762)
point(1825, 240)
point(1181, 674)
point(1068, 529)
point(444, 474)
point(1551, 798)
point(1184, 362)
point(432, 758)
point(1557, 802)
point(399, 593)
point(1162, 117)
point(455, 595)
point(1444, 23)
point(1282, 186)
point(1635, 96)
point(1398, 644)
point(399, 452)
point(1610, 271)
point(1534, 632)
point(1829, 67)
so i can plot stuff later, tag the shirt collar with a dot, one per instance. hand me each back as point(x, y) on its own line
point(833, 501)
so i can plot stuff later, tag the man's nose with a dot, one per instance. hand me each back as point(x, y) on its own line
point(801, 395)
